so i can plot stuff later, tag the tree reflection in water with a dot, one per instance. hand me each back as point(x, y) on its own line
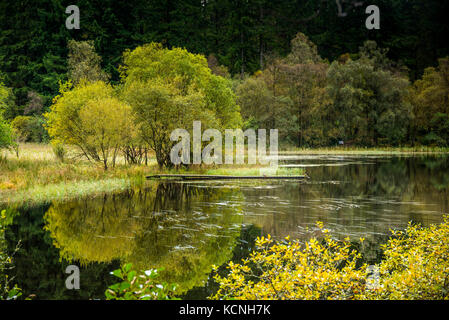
point(187, 227)
point(181, 228)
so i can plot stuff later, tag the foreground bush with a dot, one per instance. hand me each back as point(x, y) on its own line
point(416, 266)
point(7, 292)
point(290, 270)
point(139, 286)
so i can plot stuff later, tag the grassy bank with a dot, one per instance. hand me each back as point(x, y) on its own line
point(38, 176)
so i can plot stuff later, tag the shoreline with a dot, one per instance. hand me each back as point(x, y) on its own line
point(37, 176)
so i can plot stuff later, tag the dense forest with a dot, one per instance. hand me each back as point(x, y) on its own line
point(310, 68)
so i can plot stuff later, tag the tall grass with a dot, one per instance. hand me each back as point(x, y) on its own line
point(38, 176)
point(62, 191)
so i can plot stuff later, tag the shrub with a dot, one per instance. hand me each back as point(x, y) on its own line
point(59, 151)
point(415, 266)
point(6, 292)
point(29, 129)
point(139, 286)
point(6, 135)
point(290, 270)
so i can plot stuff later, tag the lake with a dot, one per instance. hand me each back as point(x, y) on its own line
point(186, 227)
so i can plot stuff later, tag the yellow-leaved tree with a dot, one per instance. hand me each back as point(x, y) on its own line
point(91, 117)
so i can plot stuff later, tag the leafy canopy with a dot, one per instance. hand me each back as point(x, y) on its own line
point(171, 88)
point(91, 117)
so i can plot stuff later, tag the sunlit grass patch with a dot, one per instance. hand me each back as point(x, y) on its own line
point(64, 191)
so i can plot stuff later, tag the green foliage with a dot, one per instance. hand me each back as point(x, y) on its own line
point(289, 95)
point(6, 263)
point(256, 102)
point(139, 286)
point(240, 39)
point(431, 104)
point(84, 64)
point(32, 48)
point(29, 129)
point(169, 89)
point(163, 90)
point(8, 108)
point(370, 105)
point(6, 135)
point(33, 38)
point(90, 117)
point(439, 134)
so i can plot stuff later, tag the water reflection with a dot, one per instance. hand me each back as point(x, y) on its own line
point(187, 227)
point(364, 200)
point(184, 229)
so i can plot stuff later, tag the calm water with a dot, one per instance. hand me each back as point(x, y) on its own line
point(188, 227)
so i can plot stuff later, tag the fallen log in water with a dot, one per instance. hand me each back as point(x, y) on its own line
point(222, 177)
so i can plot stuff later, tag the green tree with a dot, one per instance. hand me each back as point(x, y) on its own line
point(171, 88)
point(29, 129)
point(84, 63)
point(8, 107)
point(431, 97)
point(439, 131)
point(90, 117)
point(290, 94)
point(370, 105)
point(6, 135)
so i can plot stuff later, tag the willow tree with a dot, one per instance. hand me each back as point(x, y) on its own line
point(290, 95)
point(169, 89)
point(92, 118)
point(370, 105)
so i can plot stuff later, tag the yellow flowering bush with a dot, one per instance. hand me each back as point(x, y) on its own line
point(319, 269)
point(415, 266)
